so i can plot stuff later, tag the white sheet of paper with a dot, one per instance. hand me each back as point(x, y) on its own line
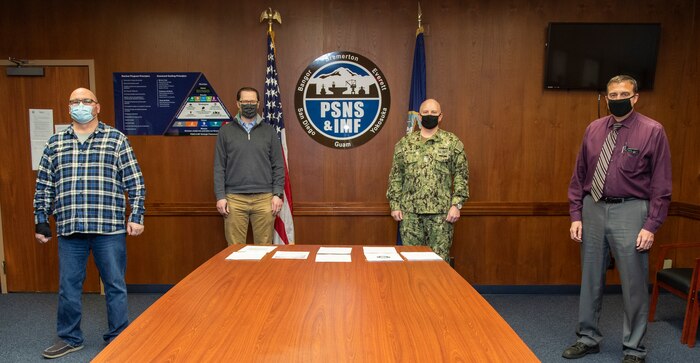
point(252, 248)
point(384, 250)
point(327, 257)
point(421, 256)
point(335, 250)
point(381, 257)
point(251, 256)
point(40, 130)
point(291, 255)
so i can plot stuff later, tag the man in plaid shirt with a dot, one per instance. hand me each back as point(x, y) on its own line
point(81, 180)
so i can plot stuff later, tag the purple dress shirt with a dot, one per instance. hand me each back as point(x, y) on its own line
point(640, 166)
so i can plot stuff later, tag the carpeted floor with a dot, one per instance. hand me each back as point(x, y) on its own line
point(545, 322)
point(28, 325)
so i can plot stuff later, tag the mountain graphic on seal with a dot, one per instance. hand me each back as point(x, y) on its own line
point(340, 72)
point(342, 83)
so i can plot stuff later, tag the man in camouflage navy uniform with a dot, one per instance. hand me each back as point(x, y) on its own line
point(428, 183)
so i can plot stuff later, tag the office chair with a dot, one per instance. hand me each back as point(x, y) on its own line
point(682, 282)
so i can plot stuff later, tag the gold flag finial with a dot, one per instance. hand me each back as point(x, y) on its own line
point(420, 20)
point(270, 15)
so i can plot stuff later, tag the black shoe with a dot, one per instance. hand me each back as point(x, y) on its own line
point(579, 349)
point(60, 349)
point(629, 358)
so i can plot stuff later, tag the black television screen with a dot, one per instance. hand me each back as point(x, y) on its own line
point(587, 55)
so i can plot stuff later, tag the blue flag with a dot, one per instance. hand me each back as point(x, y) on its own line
point(417, 95)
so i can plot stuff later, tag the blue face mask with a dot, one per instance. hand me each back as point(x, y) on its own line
point(81, 114)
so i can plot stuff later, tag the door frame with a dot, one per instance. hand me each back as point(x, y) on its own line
point(90, 63)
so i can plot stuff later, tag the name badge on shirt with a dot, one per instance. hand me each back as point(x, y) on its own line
point(630, 150)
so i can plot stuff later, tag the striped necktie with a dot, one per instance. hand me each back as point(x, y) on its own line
point(601, 169)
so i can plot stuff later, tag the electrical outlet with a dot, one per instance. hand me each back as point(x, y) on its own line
point(668, 263)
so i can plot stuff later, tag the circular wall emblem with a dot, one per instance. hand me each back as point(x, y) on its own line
point(342, 100)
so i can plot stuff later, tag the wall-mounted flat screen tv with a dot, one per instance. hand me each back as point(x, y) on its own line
point(586, 55)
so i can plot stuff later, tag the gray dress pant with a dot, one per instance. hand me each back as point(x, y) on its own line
point(614, 227)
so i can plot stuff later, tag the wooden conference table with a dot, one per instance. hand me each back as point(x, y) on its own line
point(305, 311)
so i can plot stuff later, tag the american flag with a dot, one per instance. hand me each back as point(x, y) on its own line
point(272, 114)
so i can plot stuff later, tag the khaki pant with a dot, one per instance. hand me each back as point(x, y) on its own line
point(256, 208)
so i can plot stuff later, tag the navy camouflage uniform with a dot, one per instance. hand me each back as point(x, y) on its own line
point(427, 178)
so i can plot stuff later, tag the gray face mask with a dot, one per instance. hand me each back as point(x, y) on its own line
point(249, 111)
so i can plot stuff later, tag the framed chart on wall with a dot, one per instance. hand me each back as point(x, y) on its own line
point(173, 104)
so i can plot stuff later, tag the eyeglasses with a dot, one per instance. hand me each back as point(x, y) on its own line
point(248, 102)
point(84, 101)
point(620, 96)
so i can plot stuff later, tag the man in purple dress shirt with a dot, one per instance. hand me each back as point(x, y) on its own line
point(636, 193)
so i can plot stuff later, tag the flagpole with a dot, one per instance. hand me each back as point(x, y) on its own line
point(417, 92)
point(272, 115)
point(420, 20)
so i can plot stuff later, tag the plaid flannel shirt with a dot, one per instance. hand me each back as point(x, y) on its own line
point(83, 185)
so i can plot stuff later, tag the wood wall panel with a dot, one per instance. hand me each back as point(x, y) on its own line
point(689, 99)
point(687, 231)
point(176, 169)
point(159, 255)
point(485, 65)
point(487, 246)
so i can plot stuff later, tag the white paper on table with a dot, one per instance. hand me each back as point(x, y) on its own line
point(327, 257)
point(383, 249)
point(335, 250)
point(291, 255)
point(251, 248)
point(40, 130)
point(374, 257)
point(251, 256)
point(421, 256)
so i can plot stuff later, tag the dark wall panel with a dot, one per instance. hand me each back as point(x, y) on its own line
point(485, 65)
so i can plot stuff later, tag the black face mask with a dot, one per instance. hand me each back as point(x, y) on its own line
point(621, 107)
point(429, 121)
point(249, 111)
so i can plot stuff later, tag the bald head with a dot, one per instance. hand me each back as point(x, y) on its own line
point(430, 107)
point(82, 93)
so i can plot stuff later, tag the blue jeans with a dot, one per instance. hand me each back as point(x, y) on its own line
point(109, 252)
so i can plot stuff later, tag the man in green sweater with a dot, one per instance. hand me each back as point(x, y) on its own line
point(248, 173)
